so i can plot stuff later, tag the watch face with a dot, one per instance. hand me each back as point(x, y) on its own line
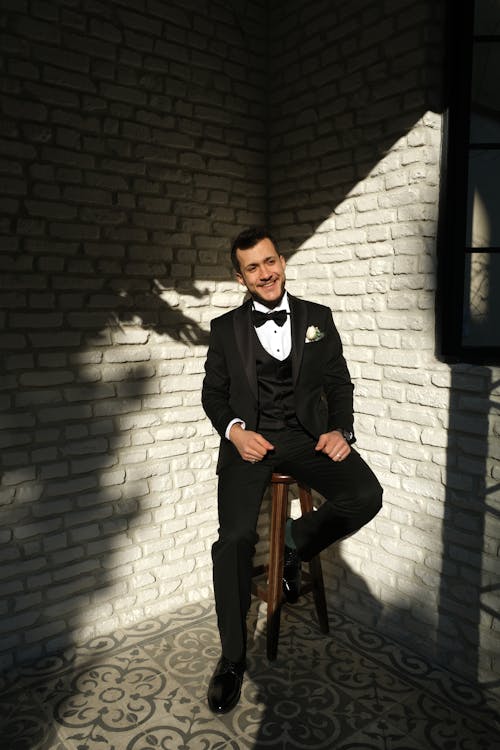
point(349, 436)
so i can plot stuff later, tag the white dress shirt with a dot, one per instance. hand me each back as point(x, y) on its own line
point(276, 340)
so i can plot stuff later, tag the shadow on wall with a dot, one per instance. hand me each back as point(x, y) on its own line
point(84, 486)
point(130, 149)
point(82, 482)
point(97, 263)
point(157, 315)
point(346, 82)
point(469, 584)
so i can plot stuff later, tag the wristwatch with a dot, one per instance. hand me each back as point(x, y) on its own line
point(346, 434)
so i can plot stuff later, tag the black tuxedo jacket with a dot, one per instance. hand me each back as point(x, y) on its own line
point(322, 384)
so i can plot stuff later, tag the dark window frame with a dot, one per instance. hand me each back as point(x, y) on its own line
point(451, 239)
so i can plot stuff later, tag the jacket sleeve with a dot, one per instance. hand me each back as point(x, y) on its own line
point(216, 386)
point(337, 384)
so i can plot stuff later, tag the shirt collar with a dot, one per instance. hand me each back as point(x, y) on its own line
point(283, 305)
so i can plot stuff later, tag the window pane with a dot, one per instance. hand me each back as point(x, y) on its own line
point(485, 93)
point(483, 214)
point(487, 17)
point(482, 300)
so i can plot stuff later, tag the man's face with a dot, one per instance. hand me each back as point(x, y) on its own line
point(262, 271)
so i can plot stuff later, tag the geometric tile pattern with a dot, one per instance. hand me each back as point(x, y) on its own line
point(144, 688)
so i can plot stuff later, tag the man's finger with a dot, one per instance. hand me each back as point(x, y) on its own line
point(264, 443)
point(321, 443)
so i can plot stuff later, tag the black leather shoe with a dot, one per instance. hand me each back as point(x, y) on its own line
point(224, 688)
point(292, 575)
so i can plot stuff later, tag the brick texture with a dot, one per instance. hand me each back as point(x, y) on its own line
point(355, 134)
point(135, 140)
point(132, 144)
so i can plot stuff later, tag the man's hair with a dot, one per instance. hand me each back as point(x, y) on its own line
point(249, 238)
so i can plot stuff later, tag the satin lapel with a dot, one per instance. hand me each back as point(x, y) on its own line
point(243, 333)
point(298, 310)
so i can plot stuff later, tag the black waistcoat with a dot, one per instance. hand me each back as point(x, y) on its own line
point(276, 397)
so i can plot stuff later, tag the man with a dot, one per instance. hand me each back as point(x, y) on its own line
point(278, 391)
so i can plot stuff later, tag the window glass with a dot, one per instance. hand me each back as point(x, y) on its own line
point(485, 93)
point(483, 201)
point(482, 300)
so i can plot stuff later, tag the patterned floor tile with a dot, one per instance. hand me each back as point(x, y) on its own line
point(185, 654)
point(24, 725)
point(144, 688)
point(101, 704)
point(380, 735)
point(306, 713)
point(437, 726)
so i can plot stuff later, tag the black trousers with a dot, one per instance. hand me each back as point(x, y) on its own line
point(353, 496)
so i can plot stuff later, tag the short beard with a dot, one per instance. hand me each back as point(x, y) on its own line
point(267, 303)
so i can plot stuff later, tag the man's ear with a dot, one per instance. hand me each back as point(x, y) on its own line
point(239, 278)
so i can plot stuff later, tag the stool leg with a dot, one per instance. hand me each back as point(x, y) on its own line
point(276, 561)
point(316, 573)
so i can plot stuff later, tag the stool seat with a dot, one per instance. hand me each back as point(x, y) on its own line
point(267, 580)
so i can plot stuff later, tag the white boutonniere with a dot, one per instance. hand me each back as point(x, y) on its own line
point(313, 334)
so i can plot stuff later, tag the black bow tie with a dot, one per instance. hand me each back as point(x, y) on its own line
point(259, 318)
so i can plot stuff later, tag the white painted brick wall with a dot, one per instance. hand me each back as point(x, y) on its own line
point(132, 146)
point(132, 149)
point(356, 208)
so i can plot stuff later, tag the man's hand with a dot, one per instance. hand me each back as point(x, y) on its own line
point(334, 445)
point(250, 445)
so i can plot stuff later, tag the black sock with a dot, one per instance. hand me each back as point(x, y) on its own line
point(289, 541)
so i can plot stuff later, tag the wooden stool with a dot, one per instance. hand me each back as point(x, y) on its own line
point(270, 588)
